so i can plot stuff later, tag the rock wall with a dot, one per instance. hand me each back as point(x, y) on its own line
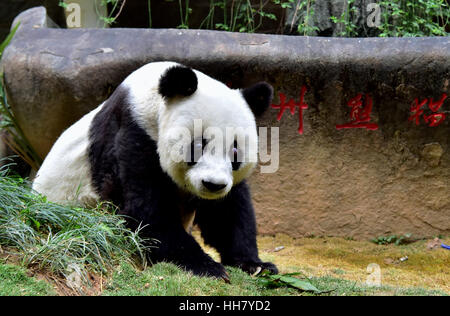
point(369, 161)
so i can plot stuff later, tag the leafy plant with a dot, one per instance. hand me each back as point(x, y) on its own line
point(414, 18)
point(287, 4)
point(393, 239)
point(288, 279)
point(184, 14)
point(306, 25)
point(346, 20)
point(12, 134)
point(239, 15)
point(114, 13)
point(399, 18)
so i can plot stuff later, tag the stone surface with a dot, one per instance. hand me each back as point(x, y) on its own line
point(350, 182)
point(432, 154)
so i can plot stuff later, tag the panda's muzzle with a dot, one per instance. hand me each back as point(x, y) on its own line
point(213, 187)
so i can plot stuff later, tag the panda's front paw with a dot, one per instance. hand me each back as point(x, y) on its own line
point(211, 269)
point(257, 267)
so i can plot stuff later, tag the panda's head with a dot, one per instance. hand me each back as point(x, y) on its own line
point(207, 138)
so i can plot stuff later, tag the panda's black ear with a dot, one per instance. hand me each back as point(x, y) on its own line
point(178, 81)
point(259, 97)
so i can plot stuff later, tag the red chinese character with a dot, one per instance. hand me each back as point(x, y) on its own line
point(359, 115)
point(417, 110)
point(433, 119)
point(292, 105)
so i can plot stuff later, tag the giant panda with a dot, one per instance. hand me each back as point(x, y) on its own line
point(122, 152)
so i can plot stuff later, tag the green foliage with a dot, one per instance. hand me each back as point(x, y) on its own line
point(306, 22)
point(412, 18)
point(288, 279)
point(399, 18)
point(113, 13)
point(62, 4)
point(393, 239)
point(287, 4)
point(346, 20)
point(13, 135)
point(239, 15)
point(404, 18)
point(59, 238)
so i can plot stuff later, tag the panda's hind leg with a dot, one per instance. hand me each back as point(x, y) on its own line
point(229, 226)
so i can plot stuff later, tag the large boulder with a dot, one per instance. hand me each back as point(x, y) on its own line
point(391, 178)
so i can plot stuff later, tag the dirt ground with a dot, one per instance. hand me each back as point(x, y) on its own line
point(349, 259)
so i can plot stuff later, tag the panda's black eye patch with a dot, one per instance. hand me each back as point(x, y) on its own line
point(235, 161)
point(196, 151)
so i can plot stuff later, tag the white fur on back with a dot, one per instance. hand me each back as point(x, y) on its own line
point(65, 175)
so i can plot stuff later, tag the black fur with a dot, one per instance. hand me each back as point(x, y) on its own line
point(126, 170)
point(178, 81)
point(259, 96)
point(229, 226)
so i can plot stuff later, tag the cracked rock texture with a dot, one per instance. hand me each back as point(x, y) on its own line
point(351, 182)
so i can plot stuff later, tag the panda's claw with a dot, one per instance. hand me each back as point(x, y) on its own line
point(226, 278)
point(269, 266)
point(254, 267)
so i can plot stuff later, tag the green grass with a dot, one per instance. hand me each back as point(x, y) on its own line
point(62, 238)
point(350, 288)
point(15, 282)
point(166, 279)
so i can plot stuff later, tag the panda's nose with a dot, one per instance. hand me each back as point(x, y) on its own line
point(213, 187)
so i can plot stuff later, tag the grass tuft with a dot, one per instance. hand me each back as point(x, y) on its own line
point(60, 238)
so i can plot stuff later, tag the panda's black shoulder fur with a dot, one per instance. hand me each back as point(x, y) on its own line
point(116, 143)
